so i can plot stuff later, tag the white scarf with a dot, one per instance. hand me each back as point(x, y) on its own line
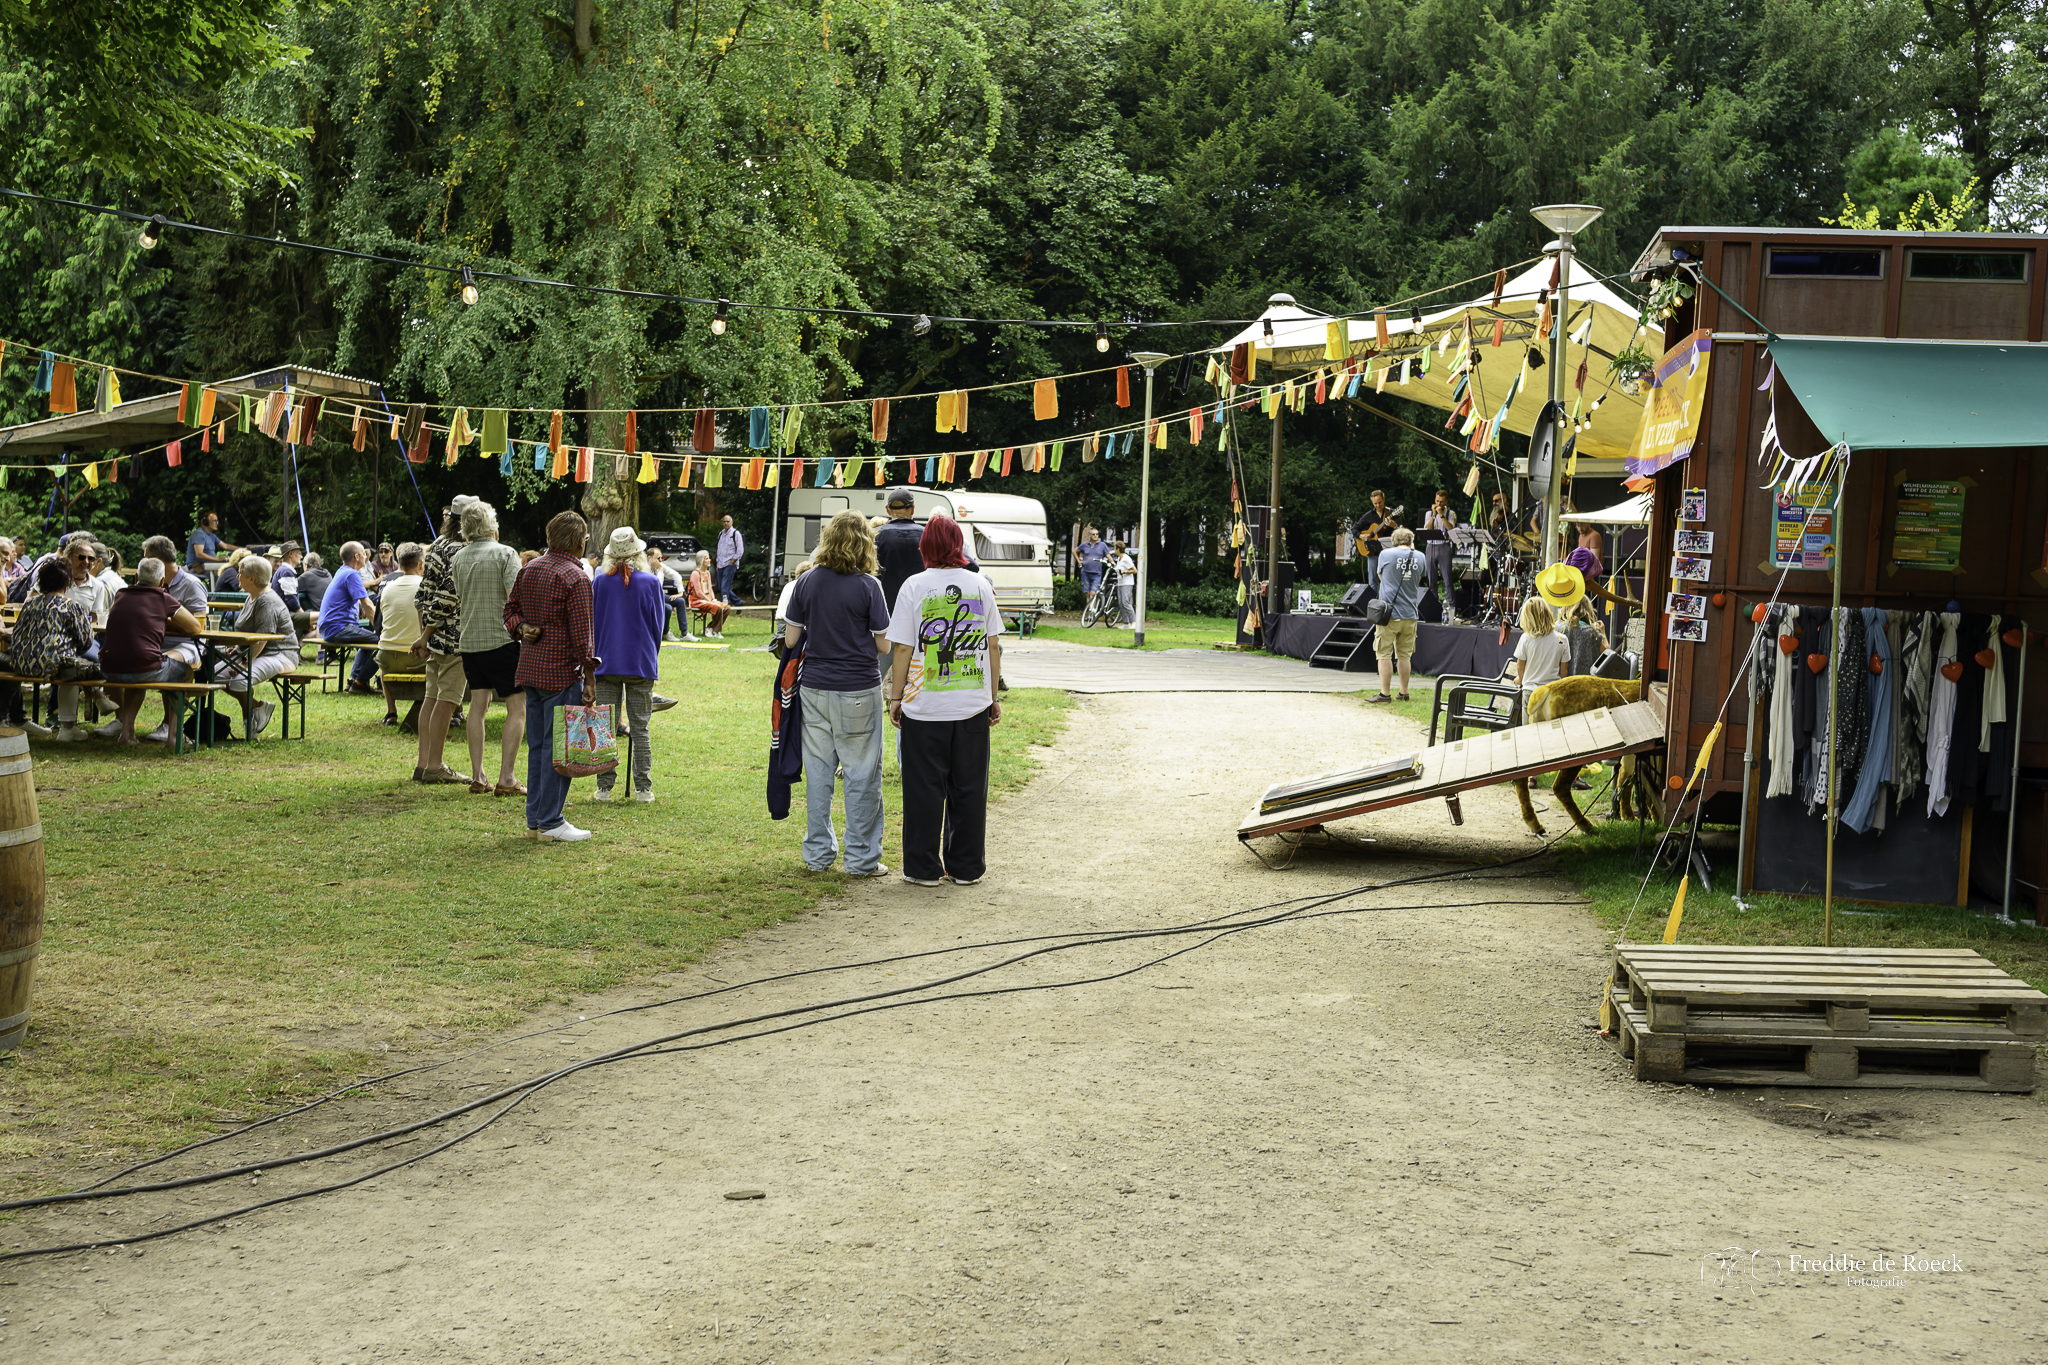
point(1941, 716)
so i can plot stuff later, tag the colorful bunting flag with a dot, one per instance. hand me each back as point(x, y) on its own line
point(174, 454)
point(760, 428)
point(1045, 400)
point(1123, 386)
point(497, 433)
point(878, 420)
point(63, 388)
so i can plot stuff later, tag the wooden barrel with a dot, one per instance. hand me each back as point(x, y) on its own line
point(21, 885)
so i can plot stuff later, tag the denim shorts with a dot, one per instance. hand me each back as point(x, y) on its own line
point(170, 670)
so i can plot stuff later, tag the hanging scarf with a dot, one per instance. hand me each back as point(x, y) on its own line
point(1866, 802)
point(1784, 750)
point(1850, 697)
point(1918, 636)
point(1941, 714)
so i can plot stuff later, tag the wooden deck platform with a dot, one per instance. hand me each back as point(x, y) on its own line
point(1483, 760)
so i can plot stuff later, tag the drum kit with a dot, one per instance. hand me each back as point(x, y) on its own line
point(1515, 561)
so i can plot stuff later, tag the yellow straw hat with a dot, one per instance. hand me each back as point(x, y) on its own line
point(1561, 586)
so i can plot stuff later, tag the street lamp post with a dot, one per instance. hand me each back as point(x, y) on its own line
point(1564, 220)
point(1150, 360)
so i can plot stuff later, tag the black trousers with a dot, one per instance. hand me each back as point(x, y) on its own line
point(945, 798)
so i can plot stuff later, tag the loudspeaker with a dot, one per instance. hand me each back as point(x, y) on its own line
point(1352, 603)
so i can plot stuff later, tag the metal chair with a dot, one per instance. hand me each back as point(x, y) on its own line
point(1458, 713)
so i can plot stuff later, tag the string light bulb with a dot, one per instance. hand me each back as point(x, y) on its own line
point(1415, 317)
point(921, 324)
point(469, 294)
point(152, 232)
point(1102, 336)
point(718, 318)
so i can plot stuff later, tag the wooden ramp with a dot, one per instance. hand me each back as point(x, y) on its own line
point(1483, 760)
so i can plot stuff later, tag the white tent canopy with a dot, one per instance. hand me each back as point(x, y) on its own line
point(1602, 324)
point(1633, 511)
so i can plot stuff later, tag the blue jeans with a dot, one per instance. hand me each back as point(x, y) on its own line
point(681, 607)
point(366, 659)
point(546, 789)
point(842, 730)
point(726, 574)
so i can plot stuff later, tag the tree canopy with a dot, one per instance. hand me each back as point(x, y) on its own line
point(1156, 160)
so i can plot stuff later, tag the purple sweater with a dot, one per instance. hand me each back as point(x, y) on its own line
point(628, 618)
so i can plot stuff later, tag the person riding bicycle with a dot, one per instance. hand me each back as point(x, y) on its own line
point(1120, 583)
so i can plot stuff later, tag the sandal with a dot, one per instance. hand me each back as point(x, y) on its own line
point(502, 789)
point(478, 788)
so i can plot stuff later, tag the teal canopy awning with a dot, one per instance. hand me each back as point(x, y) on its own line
point(1881, 394)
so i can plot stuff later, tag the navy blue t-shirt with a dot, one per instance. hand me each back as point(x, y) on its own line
point(841, 613)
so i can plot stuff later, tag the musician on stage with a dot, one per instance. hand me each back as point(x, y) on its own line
point(1374, 531)
point(1440, 517)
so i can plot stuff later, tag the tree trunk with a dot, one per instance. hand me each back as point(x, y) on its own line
point(609, 502)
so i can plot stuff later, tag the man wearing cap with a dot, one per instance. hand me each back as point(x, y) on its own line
point(284, 573)
point(383, 567)
point(896, 544)
point(1403, 576)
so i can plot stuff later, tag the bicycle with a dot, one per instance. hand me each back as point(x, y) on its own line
point(1102, 608)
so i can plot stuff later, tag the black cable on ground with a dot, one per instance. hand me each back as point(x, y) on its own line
point(848, 1007)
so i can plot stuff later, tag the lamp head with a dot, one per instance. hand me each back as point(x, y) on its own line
point(1566, 219)
point(1150, 359)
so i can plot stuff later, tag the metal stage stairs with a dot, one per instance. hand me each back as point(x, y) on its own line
point(1348, 647)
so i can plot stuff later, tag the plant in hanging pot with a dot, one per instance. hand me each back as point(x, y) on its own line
point(1630, 367)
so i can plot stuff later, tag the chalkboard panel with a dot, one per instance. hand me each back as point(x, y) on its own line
point(1915, 860)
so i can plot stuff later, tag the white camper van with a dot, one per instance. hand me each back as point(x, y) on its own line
point(1007, 534)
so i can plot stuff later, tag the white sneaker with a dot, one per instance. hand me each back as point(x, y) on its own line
point(601, 794)
point(111, 730)
point(36, 731)
point(259, 717)
point(880, 870)
point(160, 735)
point(70, 734)
point(661, 703)
point(563, 833)
point(644, 796)
point(919, 881)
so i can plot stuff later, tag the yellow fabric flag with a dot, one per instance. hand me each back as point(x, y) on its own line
point(773, 470)
point(647, 470)
point(458, 433)
point(683, 478)
point(943, 419)
point(92, 473)
point(1334, 339)
point(980, 465)
point(1159, 436)
point(945, 469)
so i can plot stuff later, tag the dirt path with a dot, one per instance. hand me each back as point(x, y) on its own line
point(1382, 1136)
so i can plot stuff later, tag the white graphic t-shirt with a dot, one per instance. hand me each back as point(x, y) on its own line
point(946, 616)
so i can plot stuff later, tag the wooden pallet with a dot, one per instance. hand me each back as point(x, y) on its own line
point(1945, 1063)
point(1929, 1017)
point(1942, 992)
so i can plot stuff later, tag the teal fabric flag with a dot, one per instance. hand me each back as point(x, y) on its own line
point(931, 468)
point(826, 464)
point(45, 373)
point(540, 459)
point(759, 428)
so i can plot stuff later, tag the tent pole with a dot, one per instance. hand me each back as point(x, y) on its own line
point(774, 525)
point(1827, 932)
point(1273, 525)
point(1748, 771)
point(2012, 801)
point(376, 498)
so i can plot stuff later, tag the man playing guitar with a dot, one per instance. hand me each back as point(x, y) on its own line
point(1375, 526)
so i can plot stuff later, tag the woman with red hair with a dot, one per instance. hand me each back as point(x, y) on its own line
point(944, 679)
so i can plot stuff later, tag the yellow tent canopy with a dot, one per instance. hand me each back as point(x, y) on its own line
point(1601, 326)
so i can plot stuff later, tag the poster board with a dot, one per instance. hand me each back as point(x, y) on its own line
point(1927, 527)
point(1805, 531)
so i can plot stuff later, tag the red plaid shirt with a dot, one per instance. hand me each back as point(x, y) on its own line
point(553, 593)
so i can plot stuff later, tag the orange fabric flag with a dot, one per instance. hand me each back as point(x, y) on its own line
point(1500, 284)
point(881, 472)
point(174, 453)
point(1379, 324)
point(421, 443)
point(683, 478)
point(1500, 330)
point(1123, 388)
point(206, 401)
point(205, 439)
point(633, 433)
point(878, 419)
point(362, 431)
point(558, 468)
point(555, 446)
point(796, 474)
point(63, 387)
point(945, 469)
point(1045, 400)
point(584, 460)
point(1007, 453)
point(980, 465)
point(1319, 386)
point(704, 432)
point(113, 471)
point(1195, 426)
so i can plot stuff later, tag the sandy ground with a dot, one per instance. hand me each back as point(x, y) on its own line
point(1382, 1136)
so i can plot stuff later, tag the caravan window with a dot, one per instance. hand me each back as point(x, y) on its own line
point(994, 541)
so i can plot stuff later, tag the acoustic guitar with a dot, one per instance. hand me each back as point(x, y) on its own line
point(1385, 525)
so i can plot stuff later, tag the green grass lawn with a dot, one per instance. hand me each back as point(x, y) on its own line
point(232, 929)
point(1163, 630)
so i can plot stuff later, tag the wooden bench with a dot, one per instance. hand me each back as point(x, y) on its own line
point(340, 653)
point(201, 695)
point(291, 687)
point(410, 687)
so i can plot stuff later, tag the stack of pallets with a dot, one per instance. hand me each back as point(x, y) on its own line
point(1943, 1018)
